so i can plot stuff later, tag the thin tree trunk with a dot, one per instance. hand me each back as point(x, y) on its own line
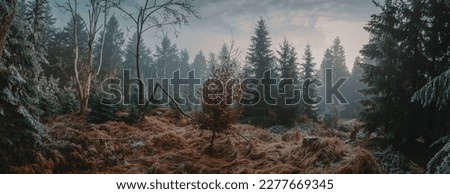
point(138, 70)
point(76, 59)
point(100, 63)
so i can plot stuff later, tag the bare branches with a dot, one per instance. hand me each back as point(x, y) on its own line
point(155, 15)
point(84, 73)
point(151, 15)
point(171, 98)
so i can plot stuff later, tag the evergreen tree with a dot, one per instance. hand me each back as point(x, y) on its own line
point(60, 52)
point(309, 76)
point(334, 58)
point(20, 51)
point(184, 69)
point(338, 59)
point(212, 59)
point(327, 62)
point(39, 15)
point(19, 48)
point(184, 62)
point(21, 132)
point(112, 50)
point(259, 55)
point(146, 59)
point(287, 61)
point(166, 58)
point(220, 113)
point(406, 47)
point(353, 85)
point(199, 66)
point(260, 60)
point(287, 111)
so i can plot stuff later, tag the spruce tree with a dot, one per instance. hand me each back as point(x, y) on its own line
point(287, 110)
point(334, 59)
point(309, 77)
point(259, 55)
point(380, 109)
point(112, 50)
point(199, 66)
point(338, 59)
point(60, 52)
point(39, 15)
point(21, 132)
point(146, 60)
point(184, 62)
point(260, 60)
point(353, 85)
point(166, 58)
point(406, 49)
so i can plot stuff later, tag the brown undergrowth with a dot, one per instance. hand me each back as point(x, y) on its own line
point(166, 143)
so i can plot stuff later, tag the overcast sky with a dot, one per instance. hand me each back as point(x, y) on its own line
point(316, 22)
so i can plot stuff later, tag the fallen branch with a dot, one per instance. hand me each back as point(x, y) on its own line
point(247, 140)
point(171, 98)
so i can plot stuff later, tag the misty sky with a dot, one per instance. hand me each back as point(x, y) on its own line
point(316, 22)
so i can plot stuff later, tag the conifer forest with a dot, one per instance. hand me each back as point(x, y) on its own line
point(199, 86)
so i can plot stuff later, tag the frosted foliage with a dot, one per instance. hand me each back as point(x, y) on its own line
point(440, 163)
point(437, 91)
point(4, 7)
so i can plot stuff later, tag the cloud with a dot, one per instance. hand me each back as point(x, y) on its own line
point(316, 22)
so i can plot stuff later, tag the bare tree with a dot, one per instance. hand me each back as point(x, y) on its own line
point(85, 74)
point(155, 14)
point(105, 17)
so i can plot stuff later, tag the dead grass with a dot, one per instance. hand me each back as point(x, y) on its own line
point(160, 144)
point(360, 162)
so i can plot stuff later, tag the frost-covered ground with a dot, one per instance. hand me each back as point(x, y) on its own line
point(167, 143)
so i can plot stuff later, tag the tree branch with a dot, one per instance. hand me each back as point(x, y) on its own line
point(171, 98)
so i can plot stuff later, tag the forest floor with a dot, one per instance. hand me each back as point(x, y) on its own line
point(166, 142)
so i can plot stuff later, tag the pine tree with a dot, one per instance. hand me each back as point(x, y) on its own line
point(220, 113)
point(259, 55)
point(166, 58)
point(309, 76)
point(199, 66)
point(338, 59)
point(60, 52)
point(334, 58)
point(184, 70)
point(39, 15)
point(406, 50)
point(184, 62)
point(327, 62)
point(112, 50)
point(287, 111)
point(353, 85)
point(260, 59)
point(146, 59)
point(19, 48)
point(434, 95)
point(380, 110)
point(21, 132)
point(21, 51)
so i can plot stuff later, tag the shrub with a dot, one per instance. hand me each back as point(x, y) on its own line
point(220, 95)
